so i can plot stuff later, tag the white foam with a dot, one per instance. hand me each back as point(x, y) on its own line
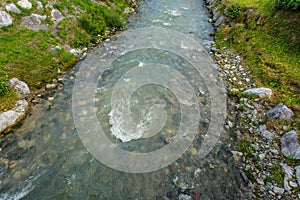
point(18, 195)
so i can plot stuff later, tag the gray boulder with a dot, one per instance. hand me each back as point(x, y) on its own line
point(280, 112)
point(5, 19)
point(21, 87)
point(259, 92)
point(34, 22)
point(10, 117)
point(12, 8)
point(290, 145)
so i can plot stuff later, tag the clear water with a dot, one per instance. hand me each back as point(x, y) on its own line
point(44, 158)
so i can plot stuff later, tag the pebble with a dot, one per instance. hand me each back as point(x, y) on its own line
point(278, 190)
point(194, 151)
point(51, 86)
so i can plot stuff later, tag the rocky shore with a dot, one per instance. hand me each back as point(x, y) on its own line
point(268, 146)
point(36, 21)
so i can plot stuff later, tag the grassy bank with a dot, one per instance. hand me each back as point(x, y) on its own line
point(27, 55)
point(268, 38)
point(267, 35)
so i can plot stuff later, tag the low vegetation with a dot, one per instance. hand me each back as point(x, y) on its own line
point(267, 35)
point(27, 54)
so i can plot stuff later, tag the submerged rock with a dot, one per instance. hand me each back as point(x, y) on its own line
point(290, 145)
point(259, 92)
point(5, 19)
point(280, 112)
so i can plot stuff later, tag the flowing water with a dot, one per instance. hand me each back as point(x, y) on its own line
point(43, 157)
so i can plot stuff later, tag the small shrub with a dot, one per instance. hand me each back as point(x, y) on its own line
point(113, 20)
point(287, 4)
point(92, 24)
point(233, 11)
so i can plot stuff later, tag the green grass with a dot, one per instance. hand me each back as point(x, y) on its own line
point(269, 41)
point(26, 54)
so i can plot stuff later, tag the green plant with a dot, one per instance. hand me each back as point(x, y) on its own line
point(58, 6)
point(4, 85)
point(233, 11)
point(288, 4)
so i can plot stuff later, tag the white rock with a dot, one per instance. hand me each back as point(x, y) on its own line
point(10, 117)
point(21, 87)
point(12, 8)
point(25, 4)
point(40, 5)
point(259, 92)
point(5, 19)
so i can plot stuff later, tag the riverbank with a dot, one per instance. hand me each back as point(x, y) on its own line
point(40, 41)
point(256, 49)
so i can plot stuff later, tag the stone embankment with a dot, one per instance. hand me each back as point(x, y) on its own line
point(265, 154)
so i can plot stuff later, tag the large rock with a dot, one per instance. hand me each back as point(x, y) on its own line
point(259, 92)
point(12, 8)
point(10, 117)
point(5, 19)
point(34, 22)
point(290, 145)
point(280, 112)
point(21, 87)
point(25, 4)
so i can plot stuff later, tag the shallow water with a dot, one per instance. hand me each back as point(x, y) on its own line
point(44, 158)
